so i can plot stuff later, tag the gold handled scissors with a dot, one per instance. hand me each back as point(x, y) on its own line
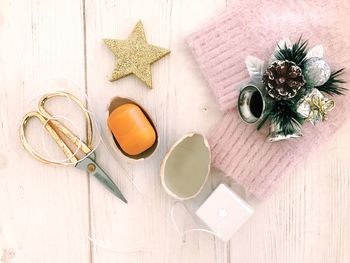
point(57, 131)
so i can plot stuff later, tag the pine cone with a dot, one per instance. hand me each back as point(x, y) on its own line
point(283, 79)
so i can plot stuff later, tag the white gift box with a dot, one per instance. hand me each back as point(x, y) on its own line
point(224, 212)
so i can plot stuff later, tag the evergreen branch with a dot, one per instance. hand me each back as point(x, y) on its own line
point(306, 89)
point(333, 85)
point(297, 53)
point(284, 115)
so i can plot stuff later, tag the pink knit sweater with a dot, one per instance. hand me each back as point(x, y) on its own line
point(253, 28)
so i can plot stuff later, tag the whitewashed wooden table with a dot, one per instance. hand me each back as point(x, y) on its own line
point(47, 213)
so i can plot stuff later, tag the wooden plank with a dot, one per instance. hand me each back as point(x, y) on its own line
point(142, 231)
point(44, 210)
point(45, 213)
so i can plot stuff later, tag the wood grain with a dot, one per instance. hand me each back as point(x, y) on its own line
point(44, 210)
point(48, 214)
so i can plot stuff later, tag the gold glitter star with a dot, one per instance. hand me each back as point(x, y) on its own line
point(135, 56)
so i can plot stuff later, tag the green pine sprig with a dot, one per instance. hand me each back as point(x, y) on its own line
point(283, 113)
point(333, 85)
point(297, 53)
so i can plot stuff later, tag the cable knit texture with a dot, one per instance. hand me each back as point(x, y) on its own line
point(254, 28)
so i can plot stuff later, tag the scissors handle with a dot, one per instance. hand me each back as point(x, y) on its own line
point(53, 134)
point(56, 129)
point(54, 126)
point(63, 129)
point(71, 136)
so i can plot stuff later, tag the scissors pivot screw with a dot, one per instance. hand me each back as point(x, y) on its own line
point(91, 168)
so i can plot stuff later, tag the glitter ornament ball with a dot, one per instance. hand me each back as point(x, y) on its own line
point(316, 71)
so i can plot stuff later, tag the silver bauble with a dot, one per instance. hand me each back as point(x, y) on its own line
point(316, 71)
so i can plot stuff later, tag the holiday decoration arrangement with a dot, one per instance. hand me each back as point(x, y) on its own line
point(220, 48)
point(295, 86)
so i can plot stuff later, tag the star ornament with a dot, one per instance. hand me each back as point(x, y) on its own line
point(135, 56)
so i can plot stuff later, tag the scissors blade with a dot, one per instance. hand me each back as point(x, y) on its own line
point(92, 168)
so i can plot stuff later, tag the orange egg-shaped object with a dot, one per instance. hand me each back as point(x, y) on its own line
point(131, 129)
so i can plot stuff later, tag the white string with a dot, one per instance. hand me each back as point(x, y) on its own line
point(183, 234)
point(99, 244)
point(147, 200)
point(66, 161)
point(94, 241)
point(95, 127)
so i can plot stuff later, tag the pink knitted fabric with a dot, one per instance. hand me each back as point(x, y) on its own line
point(254, 28)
